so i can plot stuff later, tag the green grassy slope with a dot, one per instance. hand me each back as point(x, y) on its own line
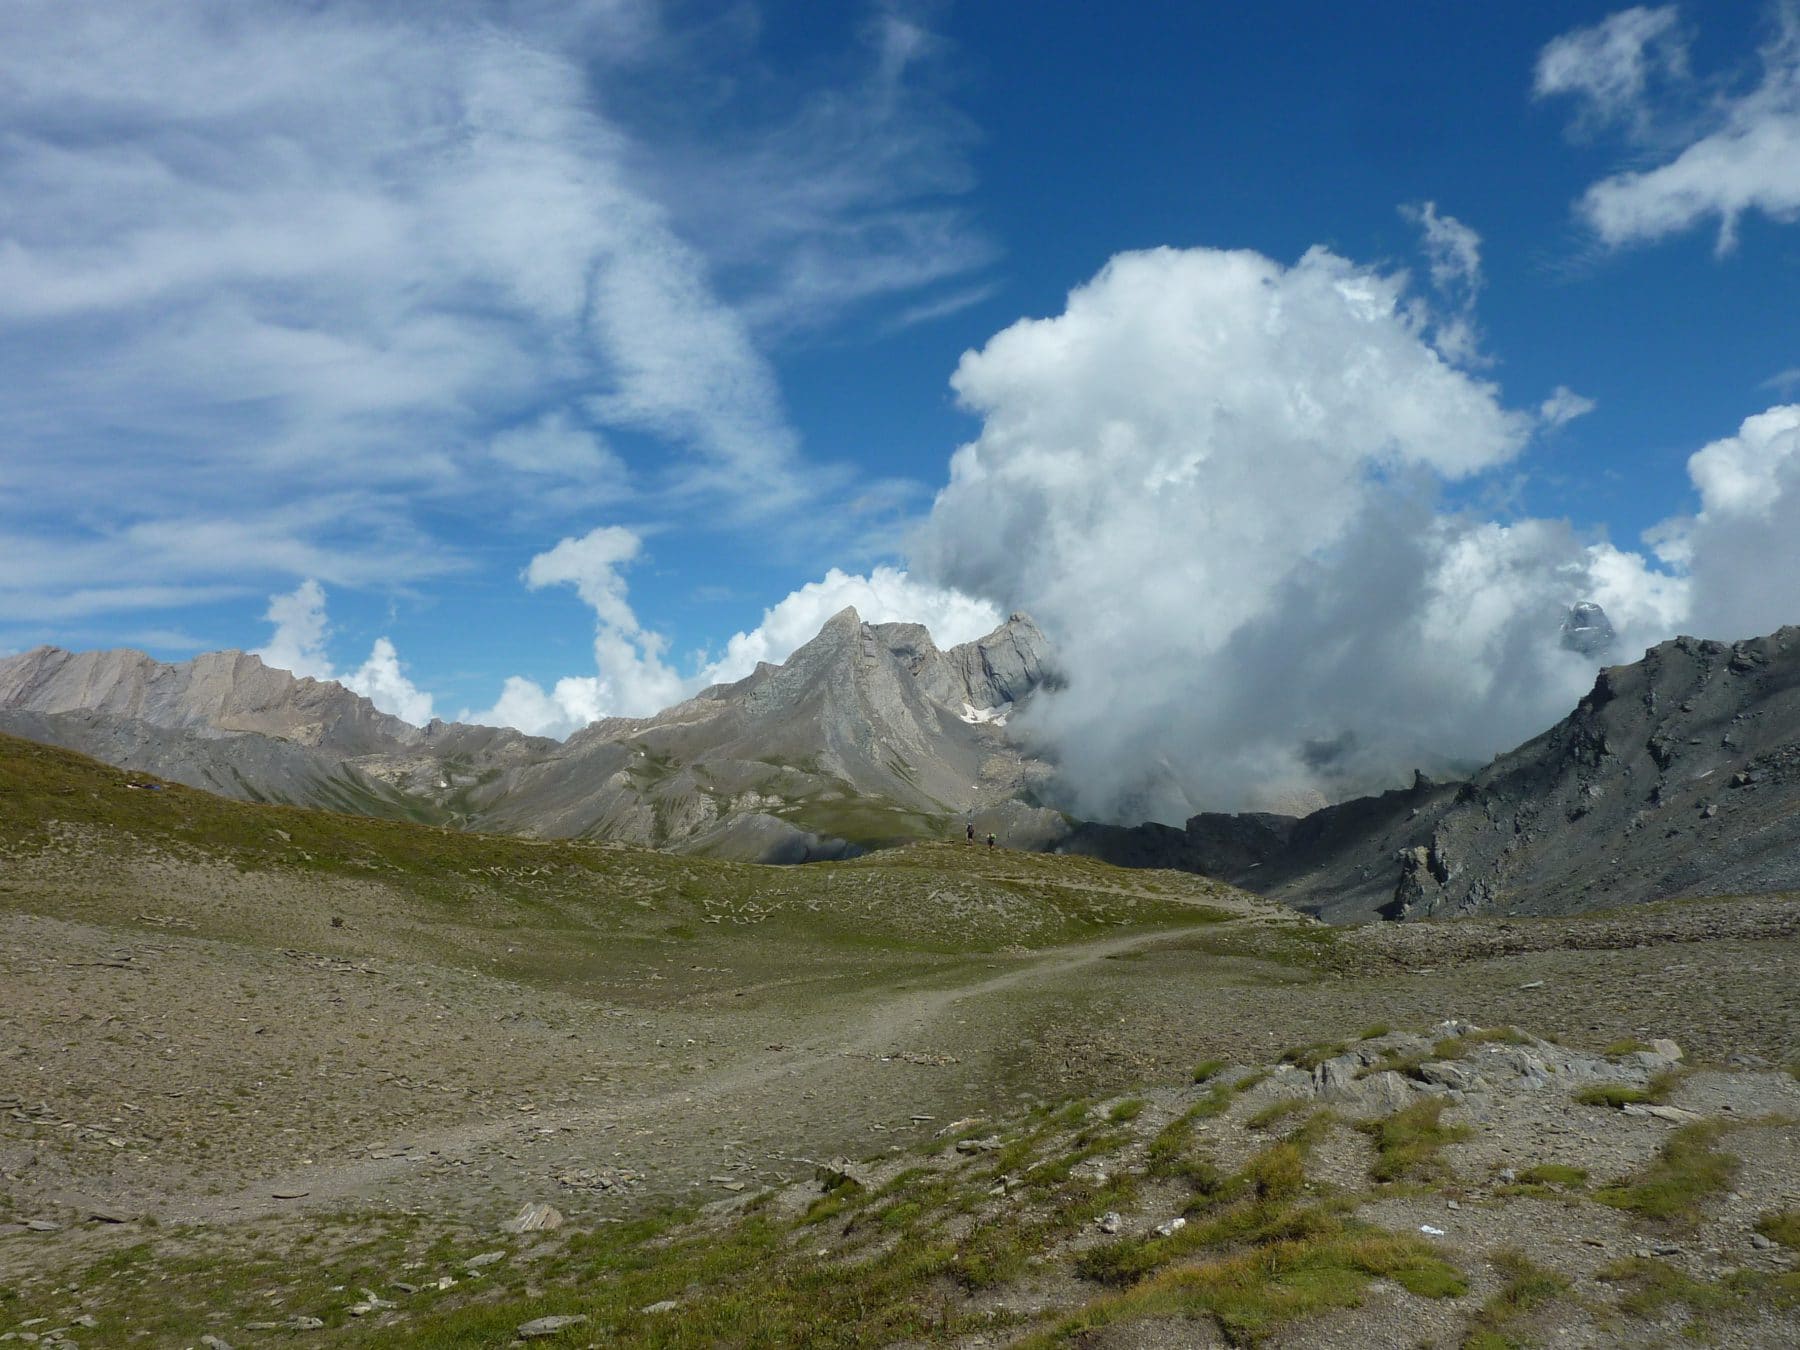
point(943, 898)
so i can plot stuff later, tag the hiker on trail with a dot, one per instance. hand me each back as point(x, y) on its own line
point(990, 839)
point(971, 831)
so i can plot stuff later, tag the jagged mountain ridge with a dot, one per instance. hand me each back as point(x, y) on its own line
point(1676, 775)
point(866, 734)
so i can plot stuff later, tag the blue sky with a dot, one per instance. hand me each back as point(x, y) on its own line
point(582, 343)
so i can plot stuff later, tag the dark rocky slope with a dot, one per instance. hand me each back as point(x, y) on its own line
point(1677, 775)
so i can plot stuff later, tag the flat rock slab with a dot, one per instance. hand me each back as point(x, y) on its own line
point(541, 1327)
point(534, 1218)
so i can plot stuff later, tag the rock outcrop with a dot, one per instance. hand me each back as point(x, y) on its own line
point(868, 734)
point(1677, 775)
point(215, 694)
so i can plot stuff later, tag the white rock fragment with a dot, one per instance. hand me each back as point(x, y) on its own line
point(536, 1217)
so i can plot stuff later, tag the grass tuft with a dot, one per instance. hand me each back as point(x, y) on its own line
point(1656, 1285)
point(1277, 1111)
point(1250, 1080)
point(1311, 1056)
point(1621, 1094)
point(1289, 1273)
point(1783, 1225)
point(1277, 1173)
point(1408, 1143)
point(1526, 1287)
point(1684, 1175)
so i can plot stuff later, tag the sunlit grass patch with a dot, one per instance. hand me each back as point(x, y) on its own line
point(1129, 1109)
point(1615, 1095)
point(1250, 1293)
point(1408, 1143)
point(1684, 1175)
point(1554, 1174)
point(1651, 1286)
point(1527, 1286)
point(1782, 1225)
point(1216, 1102)
point(1277, 1110)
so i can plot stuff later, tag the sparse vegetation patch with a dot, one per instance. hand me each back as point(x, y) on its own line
point(1686, 1173)
point(1409, 1143)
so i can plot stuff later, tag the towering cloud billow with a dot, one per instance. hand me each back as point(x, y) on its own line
point(631, 679)
point(1216, 481)
point(1742, 548)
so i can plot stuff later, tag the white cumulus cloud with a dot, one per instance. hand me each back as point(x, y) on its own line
point(1216, 481)
point(1741, 549)
point(383, 681)
point(298, 644)
point(885, 595)
point(632, 678)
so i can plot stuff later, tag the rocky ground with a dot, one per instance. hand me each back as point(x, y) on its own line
point(259, 1072)
point(1676, 775)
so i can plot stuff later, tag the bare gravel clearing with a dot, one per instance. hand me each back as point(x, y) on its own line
point(250, 1075)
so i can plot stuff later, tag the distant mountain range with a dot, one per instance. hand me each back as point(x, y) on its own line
point(867, 735)
point(1677, 775)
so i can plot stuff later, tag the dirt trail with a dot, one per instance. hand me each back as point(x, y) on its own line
point(723, 1094)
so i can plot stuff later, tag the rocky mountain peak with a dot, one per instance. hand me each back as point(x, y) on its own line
point(214, 693)
point(868, 732)
point(1586, 629)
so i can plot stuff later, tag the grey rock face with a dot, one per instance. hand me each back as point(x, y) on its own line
point(541, 1327)
point(1587, 630)
point(218, 693)
point(1000, 669)
point(1627, 799)
point(866, 735)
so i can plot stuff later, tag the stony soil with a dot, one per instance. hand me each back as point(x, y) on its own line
point(205, 1062)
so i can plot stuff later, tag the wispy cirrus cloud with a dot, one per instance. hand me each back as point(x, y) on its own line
point(321, 290)
point(1453, 259)
point(1718, 151)
point(1609, 68)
